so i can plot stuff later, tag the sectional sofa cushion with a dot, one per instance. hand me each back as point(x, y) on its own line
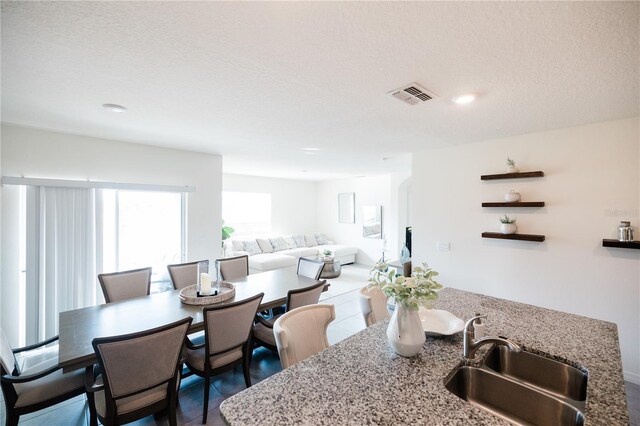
point(252, 247)
point(300, 252)
point(310, 240)
point(290, 242)
point(299, 239)
point(269, 261)
point(265, 245)
point(340, 250)
point(322, 239)
point(238, 245)
point(278, 244)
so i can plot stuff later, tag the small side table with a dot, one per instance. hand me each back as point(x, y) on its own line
point(332, 268)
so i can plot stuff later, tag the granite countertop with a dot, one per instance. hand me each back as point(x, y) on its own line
point(362, 381)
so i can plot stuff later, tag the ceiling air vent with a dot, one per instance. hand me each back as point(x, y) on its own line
point(412, 94)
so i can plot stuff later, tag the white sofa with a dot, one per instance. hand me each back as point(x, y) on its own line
point(268, 257)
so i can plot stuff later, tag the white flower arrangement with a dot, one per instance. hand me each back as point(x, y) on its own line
point(420, 289)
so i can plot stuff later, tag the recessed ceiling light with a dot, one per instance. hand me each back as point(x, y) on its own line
point(114, 107)
point(311, 149)
point(464, 99)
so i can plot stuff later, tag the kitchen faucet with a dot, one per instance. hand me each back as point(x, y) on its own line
point(470, 346)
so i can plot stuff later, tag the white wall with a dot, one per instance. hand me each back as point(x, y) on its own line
point(293, 202)
point(591, 182)
point(44, 154)
point(372, 190)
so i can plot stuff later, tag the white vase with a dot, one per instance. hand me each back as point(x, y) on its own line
point(509, 228)
point(405, 333)
point(512, 196)
point(512, 169)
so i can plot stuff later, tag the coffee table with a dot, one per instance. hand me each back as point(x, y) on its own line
point(332, 268)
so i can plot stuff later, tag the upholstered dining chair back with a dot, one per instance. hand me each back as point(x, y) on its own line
point(233, 268)
point(373, 304)
point(138, 362)
point(125, 285)
point(302, 332)
point(228, 326)
point(32, 379)
point(185, 274)
point(7, 358)
point(305, 296)
point(310, 268)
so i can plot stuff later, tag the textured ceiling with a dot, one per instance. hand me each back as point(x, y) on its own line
point(258, 81)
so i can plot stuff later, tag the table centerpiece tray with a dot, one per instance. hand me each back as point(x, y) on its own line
point(189, 296)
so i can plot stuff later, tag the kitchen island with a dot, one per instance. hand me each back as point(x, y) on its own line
point(361, 381)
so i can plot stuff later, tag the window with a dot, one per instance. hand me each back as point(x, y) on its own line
point(140, 229)
point(249, 213)
point(66, 235)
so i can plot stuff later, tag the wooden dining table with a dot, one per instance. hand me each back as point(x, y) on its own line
point(78, 327)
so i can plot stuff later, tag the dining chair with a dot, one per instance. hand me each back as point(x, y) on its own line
point(232, 268)
point(31, 378)
point(263, 328)
point(185, 274)
point(373, 304)
point(310, 268)
point(137, 375)
point(227, 343)
point(302, 332)
point(125, 285)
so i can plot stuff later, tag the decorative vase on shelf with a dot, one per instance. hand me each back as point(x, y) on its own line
point(512, 169)
point(512, 196)
point(405, 333)
point(508, 228)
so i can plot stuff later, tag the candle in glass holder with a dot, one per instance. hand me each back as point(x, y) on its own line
point(205, 284)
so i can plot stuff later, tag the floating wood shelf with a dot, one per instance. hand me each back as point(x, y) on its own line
point(519, 175)
point(516, 204)
point(521, 237)
point(621, 244)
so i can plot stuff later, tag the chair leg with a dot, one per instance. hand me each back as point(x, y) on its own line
point(246, 367)
point(205, 409)
point(173, 421)
point(93, 417)
point(12, 419)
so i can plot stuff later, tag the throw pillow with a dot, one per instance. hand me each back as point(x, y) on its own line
point(237, 245)
point(310, 240)
point(252, 247)
point(322, 239)
point(290, 242)
point(265, 245)
point(278, 244)
point(299, 239)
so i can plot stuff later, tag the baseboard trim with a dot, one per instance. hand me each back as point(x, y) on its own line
point(632, 377)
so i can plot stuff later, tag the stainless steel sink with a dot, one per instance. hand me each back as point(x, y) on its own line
point(511, 399)
point(551, 376)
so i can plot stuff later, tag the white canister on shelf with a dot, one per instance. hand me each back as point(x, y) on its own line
point(512, 196)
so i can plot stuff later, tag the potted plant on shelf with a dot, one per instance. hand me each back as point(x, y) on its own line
point(508, 225)
point(405, 333)
point(511, 166)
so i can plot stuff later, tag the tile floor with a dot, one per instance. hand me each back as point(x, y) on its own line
point(342, 293)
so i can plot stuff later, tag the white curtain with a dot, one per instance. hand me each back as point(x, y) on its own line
point(67, 254)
